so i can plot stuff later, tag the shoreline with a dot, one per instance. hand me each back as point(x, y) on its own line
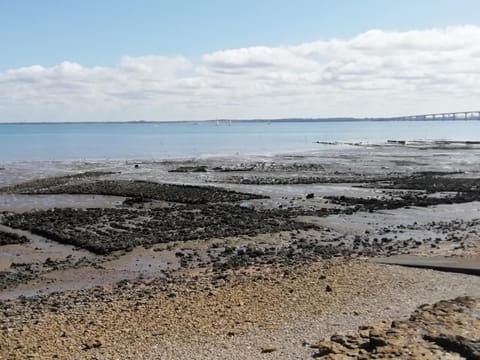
point(284, 238)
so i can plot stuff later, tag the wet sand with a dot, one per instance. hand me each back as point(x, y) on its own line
point(280, 244)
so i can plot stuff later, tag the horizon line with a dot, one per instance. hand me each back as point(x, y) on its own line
point(425, 117)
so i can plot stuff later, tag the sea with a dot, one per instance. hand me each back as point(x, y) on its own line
point(118, 141)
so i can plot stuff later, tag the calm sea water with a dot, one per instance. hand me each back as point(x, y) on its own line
point(159, 141)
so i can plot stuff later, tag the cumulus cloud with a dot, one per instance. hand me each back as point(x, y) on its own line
point(376, 73)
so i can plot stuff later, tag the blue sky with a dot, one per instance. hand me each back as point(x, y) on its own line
point(113, 60)
point(99, 32)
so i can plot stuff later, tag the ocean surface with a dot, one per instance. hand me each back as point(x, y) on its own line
point(26, 142)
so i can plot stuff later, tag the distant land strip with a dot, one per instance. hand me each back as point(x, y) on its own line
point(459, 115)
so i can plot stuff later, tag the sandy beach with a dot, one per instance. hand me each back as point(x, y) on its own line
point(255, 257)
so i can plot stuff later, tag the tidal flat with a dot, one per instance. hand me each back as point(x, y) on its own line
point(252, 257)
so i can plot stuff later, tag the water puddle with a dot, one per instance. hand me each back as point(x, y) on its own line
point(38, 249)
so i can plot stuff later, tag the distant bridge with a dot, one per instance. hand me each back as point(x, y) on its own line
point(461, 115)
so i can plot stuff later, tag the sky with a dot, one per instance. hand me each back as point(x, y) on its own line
point(92, 60)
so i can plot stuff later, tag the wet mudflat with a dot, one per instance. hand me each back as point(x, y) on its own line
point(172, 228)
point(107, 209)
point(17, 203)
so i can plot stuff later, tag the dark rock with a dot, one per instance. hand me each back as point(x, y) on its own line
point(92, 344)
point(7, 238)
point(184, 169)
point(268, 349)
point(469, 349)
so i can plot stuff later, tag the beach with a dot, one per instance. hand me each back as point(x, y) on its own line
point(247, 257)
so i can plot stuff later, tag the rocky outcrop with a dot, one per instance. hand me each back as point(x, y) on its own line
point(146, 190)
point(445, 330)
point(103, 231)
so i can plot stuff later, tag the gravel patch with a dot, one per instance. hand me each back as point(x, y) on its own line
point(292, 339)
point(258, 314)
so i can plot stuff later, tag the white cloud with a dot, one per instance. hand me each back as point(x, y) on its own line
point(376, 73)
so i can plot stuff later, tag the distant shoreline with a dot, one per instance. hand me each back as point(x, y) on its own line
point(226, 121)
